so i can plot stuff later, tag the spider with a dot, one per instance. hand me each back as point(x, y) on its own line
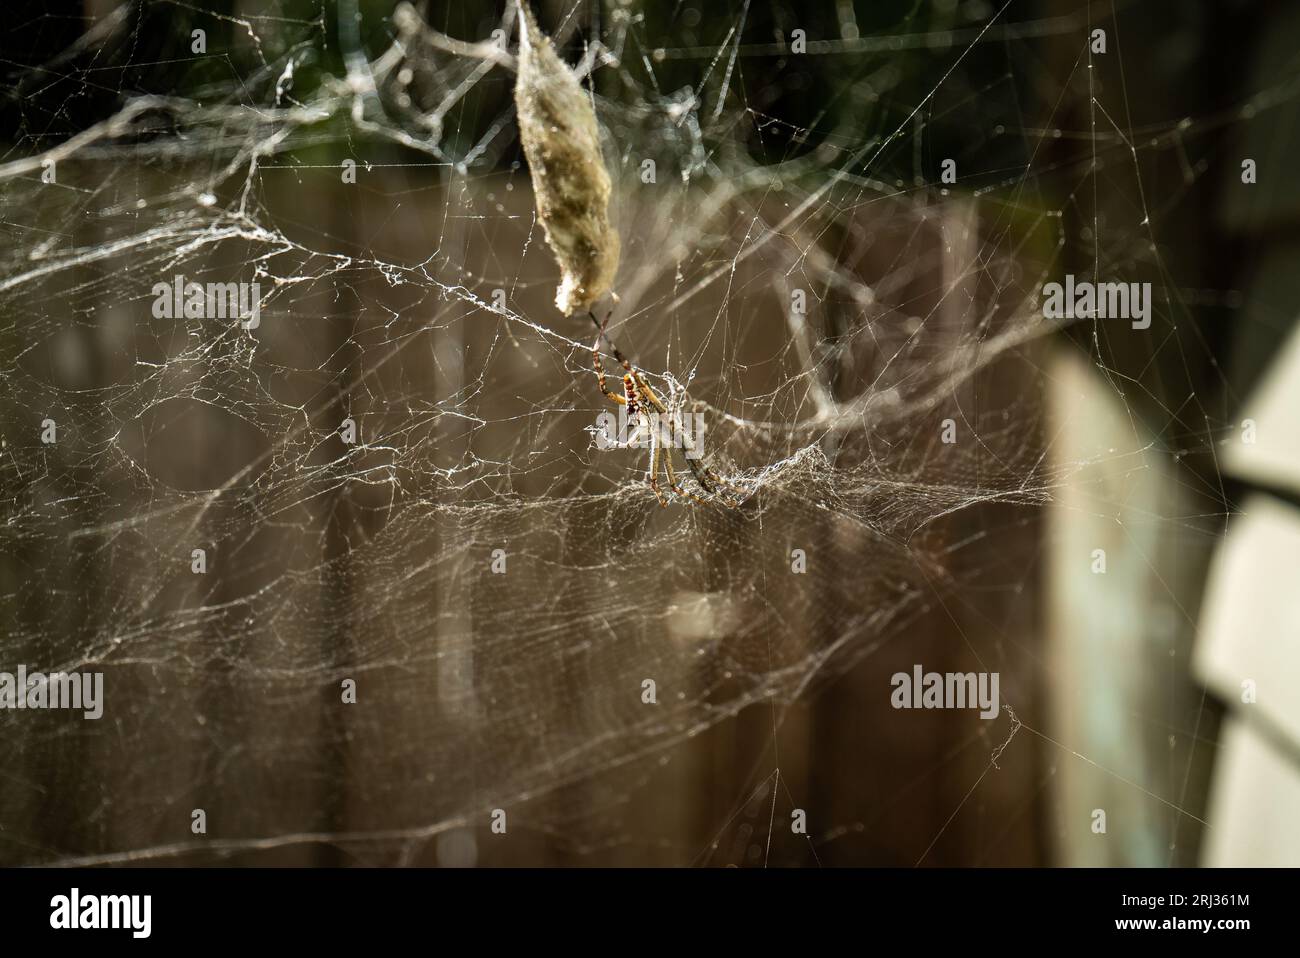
point(649, 412)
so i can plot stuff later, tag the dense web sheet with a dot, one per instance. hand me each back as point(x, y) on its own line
point(394, 475)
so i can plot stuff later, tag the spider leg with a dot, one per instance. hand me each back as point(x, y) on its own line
point(706, 477)
point(714, 485)
point(680, 490)
point(642, 386)
point(601, 334)
point(736, 494)
point(600, 376)
point(703, 473)
point(675, 425)
point(655, 455)
point(613, 347)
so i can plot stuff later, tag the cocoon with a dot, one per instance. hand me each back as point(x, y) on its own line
point(571, 186)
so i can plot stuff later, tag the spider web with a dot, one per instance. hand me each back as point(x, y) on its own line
point(826, 302)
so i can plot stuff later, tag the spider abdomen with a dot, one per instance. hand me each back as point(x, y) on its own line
point(630, 394)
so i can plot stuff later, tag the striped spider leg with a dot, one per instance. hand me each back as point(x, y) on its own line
point(709, 481)
point(649, 413)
